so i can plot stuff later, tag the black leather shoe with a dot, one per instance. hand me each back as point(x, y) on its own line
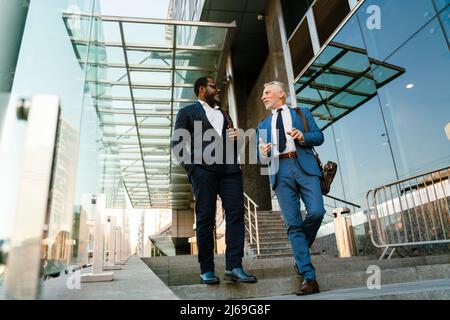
point(209, 278)
point(239, 275)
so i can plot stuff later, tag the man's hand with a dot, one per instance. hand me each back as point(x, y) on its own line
point(264, 148)
point(296, 135)
point(233, 133)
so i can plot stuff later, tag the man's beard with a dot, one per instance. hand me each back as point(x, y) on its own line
point(212, 102)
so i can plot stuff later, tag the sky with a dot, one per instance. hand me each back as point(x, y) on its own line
point(137, 8)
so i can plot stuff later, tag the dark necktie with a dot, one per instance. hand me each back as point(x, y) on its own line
point(281, 133)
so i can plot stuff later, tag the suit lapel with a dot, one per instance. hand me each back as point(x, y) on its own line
point(206, 124)
point(268, 126)
point(296, 120)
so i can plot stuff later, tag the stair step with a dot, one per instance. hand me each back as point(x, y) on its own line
point(287, 285)
point(421, 290)
point(271, 244)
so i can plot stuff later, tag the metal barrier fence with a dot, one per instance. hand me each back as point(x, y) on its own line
point(413, 211)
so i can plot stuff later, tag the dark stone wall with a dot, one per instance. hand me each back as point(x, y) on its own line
point(250, 107)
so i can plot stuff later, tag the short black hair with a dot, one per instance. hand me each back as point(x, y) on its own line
point(201, 82)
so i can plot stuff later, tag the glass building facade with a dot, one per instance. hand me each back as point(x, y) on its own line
point(389, 123)
point(48, 65)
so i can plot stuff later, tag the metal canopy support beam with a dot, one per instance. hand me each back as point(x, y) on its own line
point(134, 108)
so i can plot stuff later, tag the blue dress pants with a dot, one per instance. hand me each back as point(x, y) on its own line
point(294, 183)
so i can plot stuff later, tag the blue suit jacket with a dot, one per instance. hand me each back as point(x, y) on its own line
point(305, 155)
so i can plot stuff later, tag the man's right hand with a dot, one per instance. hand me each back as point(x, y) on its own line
point(264, 148)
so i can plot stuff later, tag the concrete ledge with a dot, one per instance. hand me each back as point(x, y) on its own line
point(134, 282)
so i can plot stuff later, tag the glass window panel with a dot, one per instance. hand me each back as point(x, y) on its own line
point(416, 104)
point(194, 58)
point(152, 93)
point(441, 4)
point(120, 91)
point(150, 58)
point(336, 112)
point(310, 93)
point(399, 21)
point(322, 111)
point(122, 104)
point(347, 99)
point(210, 37)
point(182, 77)
point(115, 55)
point(382, 74)
point(334, 80)
point(111, 31)
point(151, 77)
point(348, 36)
point(364, 85)
point(117, 74)
point(353, 61)
point(148, 34)
point(445, 18)
point(184, 93)
point(327, 55)
point(362, 152)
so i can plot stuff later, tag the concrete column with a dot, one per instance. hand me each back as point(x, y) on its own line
point(97, 266)
point(343, 231)
point(13, 15)
point(110, 252)
point(119, 257)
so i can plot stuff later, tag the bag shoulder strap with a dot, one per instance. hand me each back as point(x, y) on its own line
point(305, 124)
point(227, 116)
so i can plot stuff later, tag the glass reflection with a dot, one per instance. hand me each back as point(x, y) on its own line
point(417, 105)
point(381, 98)
point(399, 21)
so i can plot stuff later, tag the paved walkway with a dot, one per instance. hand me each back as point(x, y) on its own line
point(135, 281)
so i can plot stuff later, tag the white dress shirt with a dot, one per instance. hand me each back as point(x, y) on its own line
point(214, 115)
point(287, 123)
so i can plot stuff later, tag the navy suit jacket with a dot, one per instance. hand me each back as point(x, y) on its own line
point(305, 155)
point(186, 118)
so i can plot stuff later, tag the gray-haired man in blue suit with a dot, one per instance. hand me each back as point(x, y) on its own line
point(294, 173)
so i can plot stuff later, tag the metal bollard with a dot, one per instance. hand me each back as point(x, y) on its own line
point(343, 230)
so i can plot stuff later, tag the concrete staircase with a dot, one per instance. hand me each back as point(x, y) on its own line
point(273, 239)
point(277, 280)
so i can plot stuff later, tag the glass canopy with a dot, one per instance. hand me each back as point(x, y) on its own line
point(147, 75)
point(340, 80)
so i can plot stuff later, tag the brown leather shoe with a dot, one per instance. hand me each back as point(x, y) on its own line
point(308, 287)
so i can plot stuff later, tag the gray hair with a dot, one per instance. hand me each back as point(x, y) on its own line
point(279, 84)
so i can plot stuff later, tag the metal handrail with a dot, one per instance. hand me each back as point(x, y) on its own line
point(343, 201)
point(251, 221)
point(412, 211)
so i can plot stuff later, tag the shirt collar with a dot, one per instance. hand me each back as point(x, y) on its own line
point(284, 107)
point(207, 106)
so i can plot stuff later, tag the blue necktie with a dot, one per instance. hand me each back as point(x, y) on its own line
point(281, 133)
